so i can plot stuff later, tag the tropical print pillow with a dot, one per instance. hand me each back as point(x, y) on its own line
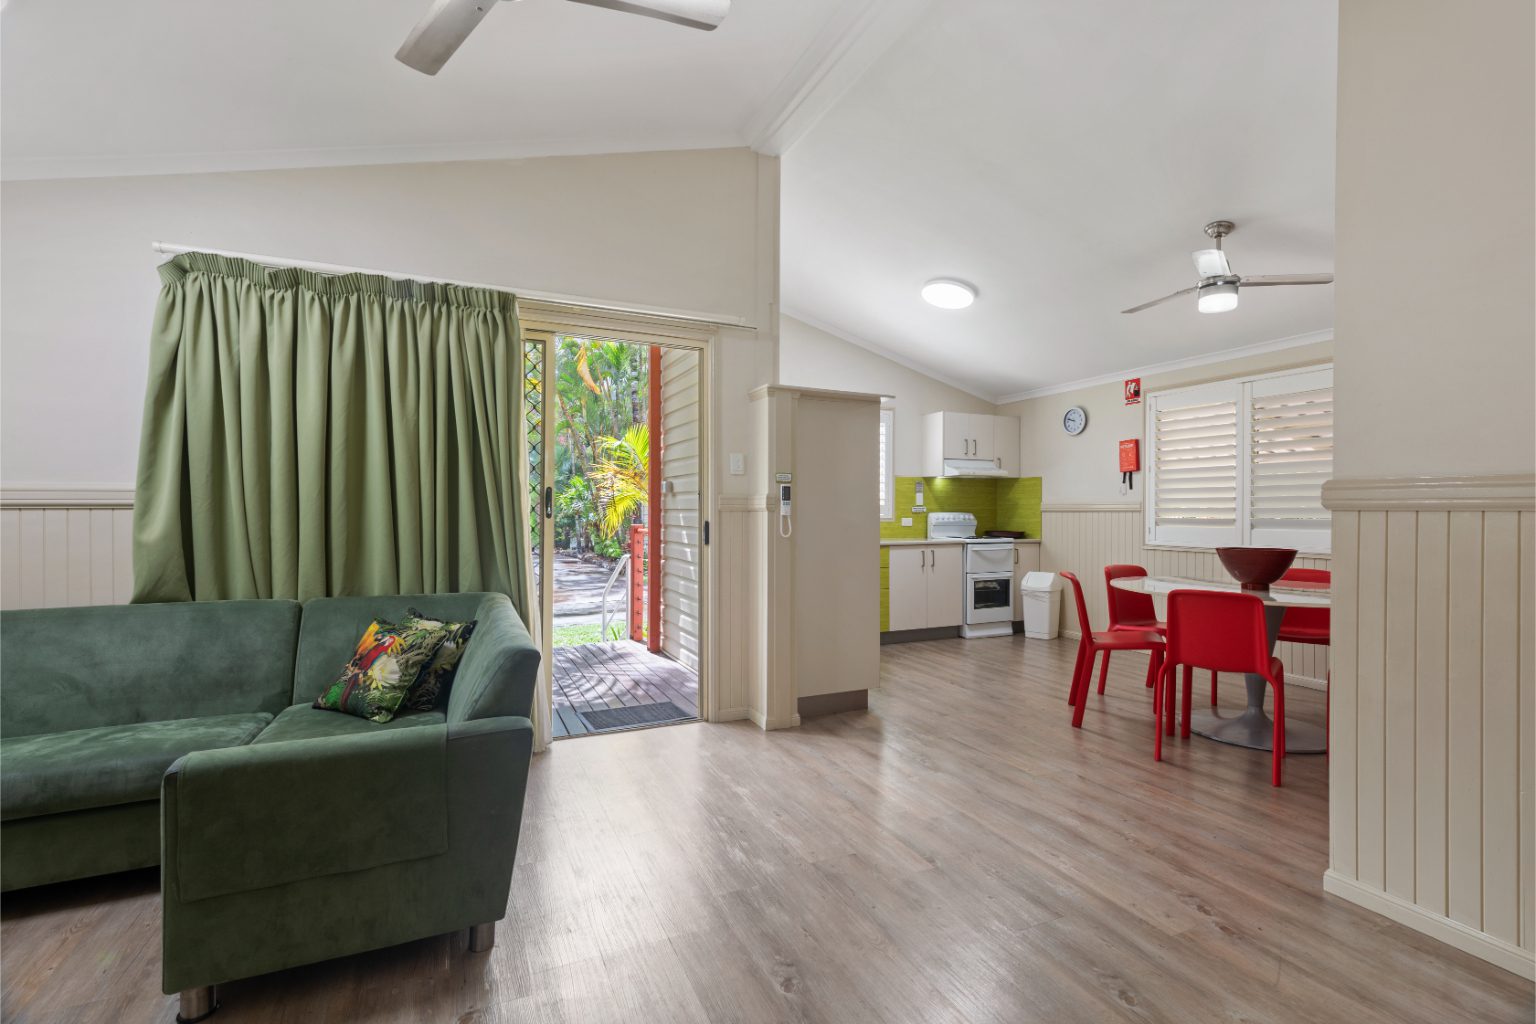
point(388, 661)
point(431, 688)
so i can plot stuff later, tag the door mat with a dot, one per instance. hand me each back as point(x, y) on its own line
point(645, 714)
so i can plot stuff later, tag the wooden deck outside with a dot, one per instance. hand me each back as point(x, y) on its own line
point(614, 674)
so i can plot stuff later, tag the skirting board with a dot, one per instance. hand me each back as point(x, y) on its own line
point(1452, 933)
point(764, 723)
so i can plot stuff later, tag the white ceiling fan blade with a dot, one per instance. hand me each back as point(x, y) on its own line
point(438, 34)
point(1211, 263)
point(1157, 302)
point(1265, 280)
point(702, 14)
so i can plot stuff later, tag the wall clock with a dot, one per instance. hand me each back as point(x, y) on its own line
point(1075, 421)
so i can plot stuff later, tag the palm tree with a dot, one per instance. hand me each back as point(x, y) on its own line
point(622, 476)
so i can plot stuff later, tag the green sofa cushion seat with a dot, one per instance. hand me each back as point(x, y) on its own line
point(112, 764)
point(303, 722)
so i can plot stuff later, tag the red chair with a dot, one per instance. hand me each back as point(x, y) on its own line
point(1130, 610)
point(1309, 625)
point(1092, 643)
point(1223, 632)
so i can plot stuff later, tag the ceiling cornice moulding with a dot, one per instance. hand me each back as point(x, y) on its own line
point(885, 353)
point(853, 39)
point(1190, 362)
point(135, 166)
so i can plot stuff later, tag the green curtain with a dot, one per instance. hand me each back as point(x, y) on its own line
point(309, 435)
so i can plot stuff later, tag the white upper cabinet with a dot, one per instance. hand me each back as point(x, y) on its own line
point(970, 444)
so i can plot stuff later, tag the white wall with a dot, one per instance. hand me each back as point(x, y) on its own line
point(679, 231)
point(1432, 796)
point(1084, 469)
point(1435, 211)
point(812, 358)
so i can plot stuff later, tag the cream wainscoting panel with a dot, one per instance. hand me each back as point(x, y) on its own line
point(738, 541)
point(1432, 798)
point(65, 547)
point(1085, 538)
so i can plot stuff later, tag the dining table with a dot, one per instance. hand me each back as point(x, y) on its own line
point(1252, 728)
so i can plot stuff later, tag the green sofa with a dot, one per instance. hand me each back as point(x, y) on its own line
point(181, 734)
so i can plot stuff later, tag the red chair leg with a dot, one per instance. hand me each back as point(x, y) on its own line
point(1152, 669)
point(1077, 672)
point(1163, 682)
point(1213, 687)
point(1103, 671)
point(1188, 702)
point(1085, 678)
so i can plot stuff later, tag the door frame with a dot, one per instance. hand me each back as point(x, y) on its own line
point(542, 323)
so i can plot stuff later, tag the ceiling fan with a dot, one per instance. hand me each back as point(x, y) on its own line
point(448, 23)
point(1218, 286)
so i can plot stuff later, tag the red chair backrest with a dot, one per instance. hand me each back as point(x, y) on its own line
point(1314, 620)
point(1082, 606)
point(1126, 607)
point(1219, 630)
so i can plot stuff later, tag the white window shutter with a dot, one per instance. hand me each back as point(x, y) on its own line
point(1196, 473)
point(1290, 448)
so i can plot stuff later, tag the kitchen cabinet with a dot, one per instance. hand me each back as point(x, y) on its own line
point(1026, 558)
point(978, 437)
point(925, 585)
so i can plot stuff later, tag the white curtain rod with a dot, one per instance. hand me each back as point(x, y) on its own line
point(174, 249)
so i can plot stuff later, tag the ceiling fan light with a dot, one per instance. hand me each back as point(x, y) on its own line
point(947, 293)
point(1218, 297)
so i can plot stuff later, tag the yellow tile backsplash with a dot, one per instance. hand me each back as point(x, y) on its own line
point(997, 504)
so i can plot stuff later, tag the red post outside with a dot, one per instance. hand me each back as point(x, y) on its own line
point(637, 550)
point(653, 513)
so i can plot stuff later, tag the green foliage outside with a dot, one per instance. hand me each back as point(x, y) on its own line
point(586, 633)
point(602, 450)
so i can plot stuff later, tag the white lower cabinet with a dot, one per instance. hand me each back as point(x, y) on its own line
point(1026, 558)
point(925, 586)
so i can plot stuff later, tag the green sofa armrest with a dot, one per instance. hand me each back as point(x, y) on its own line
point(251, 817)
point(320, 916)
point(500, 668)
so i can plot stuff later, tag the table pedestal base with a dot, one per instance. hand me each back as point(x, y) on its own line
point(1254, 729)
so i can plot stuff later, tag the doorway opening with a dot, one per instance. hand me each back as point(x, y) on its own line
point(620, 530)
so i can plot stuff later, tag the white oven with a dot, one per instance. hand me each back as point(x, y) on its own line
point(988, 578)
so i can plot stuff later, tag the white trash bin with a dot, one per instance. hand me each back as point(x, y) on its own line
point(1042, 608)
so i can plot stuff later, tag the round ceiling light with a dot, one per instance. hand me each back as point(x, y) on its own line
point(1218, 296)
point(947, 293)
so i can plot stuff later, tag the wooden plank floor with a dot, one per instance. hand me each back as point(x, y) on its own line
point(615, 674)
point(956, 853)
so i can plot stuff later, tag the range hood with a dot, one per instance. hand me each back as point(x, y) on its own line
point(972, 467)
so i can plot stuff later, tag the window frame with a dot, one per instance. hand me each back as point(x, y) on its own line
point(1241, 533)
point(887, 457)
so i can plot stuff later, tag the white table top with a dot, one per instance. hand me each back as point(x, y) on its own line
point(1288, 594)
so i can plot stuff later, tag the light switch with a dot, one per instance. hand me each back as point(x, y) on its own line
point(738, 464)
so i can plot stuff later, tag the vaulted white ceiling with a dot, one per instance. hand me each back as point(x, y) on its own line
point(1063, 158)
point(149, 86)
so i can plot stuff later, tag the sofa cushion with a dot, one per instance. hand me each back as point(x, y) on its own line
point(51, 773)
point(80, 668)
point(431, 687)
point(303, 722)
point(331, 625)
point(385, 665)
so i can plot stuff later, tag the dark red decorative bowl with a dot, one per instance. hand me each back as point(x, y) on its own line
point(1256, 568)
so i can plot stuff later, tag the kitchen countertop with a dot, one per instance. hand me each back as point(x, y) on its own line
point(898, 542)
